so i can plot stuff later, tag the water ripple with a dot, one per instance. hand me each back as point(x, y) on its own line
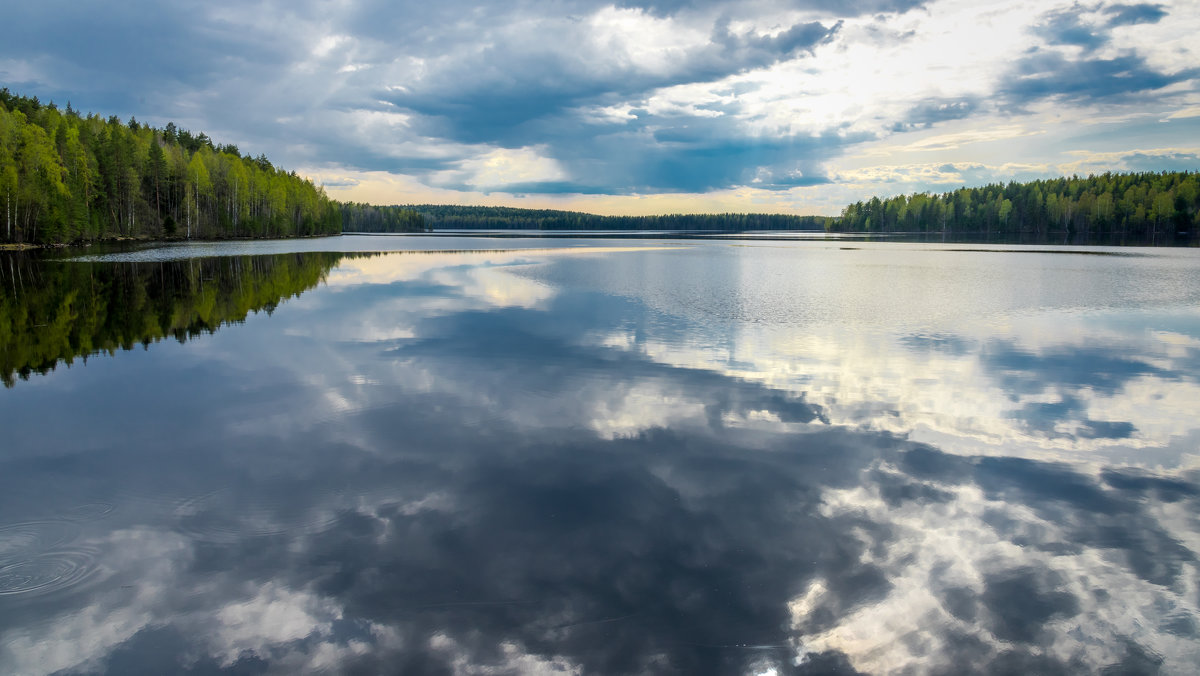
point(91, 511)
point(20, 541)
point(48, 572)
point(216, 517)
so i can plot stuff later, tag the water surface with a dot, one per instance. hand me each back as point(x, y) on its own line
point(469, 455)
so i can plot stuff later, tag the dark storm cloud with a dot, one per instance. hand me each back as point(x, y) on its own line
point(1066, 27)
point(507, 93)
point(1127, 15)
point(764, 50)
point(1051, 75)
point(1069, 27)
point(513, 95)
point(932, 111)
point(117, 56)
point(495, 95)
point(1046, 73)
point(295, 80)
point(685, 159)
point(841, 8)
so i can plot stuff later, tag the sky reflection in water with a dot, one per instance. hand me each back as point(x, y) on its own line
point(693, 458)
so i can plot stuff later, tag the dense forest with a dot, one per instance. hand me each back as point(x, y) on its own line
point(1144, 207)
point(66, 177)
point(1133, 207)
point(53, 312)
point(361, 217)
point(450, 217)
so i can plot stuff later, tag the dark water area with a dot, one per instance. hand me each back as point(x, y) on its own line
point(477, 456)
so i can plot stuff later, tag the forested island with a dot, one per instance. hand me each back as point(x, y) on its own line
point(1141, 208)
point(58, 311)
point(362, 217)
point(1145, 207)
point(456, 217)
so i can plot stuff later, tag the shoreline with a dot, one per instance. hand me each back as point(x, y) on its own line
point(30, 246)
point(709, 235)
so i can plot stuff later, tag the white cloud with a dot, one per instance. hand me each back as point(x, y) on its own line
point(451, 101)
point(630, 38)
point(936, 547)
point(503, 167)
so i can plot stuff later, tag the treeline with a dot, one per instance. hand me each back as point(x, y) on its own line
point(361, 217)
point(53, 312)
point(452, 217)
point(66, 177)
point(1149, 207)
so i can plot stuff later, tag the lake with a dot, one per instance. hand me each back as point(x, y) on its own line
point(488, 456)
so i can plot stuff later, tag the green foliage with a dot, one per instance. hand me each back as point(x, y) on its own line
point(1135, 207)
point(359, 217)
point(65, 178)
point(52, 312)
point(439, 216)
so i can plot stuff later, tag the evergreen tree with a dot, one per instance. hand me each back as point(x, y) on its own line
point(65, 178)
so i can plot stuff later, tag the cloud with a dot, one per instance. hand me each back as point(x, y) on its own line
point(518, 169)
point(621, 100)
point(560, 465)
point(929, 112)
point(1128, 15)
point(1168, 161)
point(1051, 75)
point(1091, 27)
point(1067, 27)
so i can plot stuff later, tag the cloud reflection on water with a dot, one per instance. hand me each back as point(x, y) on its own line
point(548, 476)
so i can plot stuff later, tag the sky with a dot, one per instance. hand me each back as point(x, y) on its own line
point(638, 106)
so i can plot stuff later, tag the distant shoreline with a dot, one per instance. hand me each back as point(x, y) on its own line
point(1031, 239)
point(980, 238)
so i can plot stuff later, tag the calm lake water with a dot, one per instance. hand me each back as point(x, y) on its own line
point(481, 456)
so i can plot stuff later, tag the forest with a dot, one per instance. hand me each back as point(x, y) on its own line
point(451, 217)
point(1143, 207)
point(1135, 208)
point(58, 311)
point(362, 217)
point(66, 177)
